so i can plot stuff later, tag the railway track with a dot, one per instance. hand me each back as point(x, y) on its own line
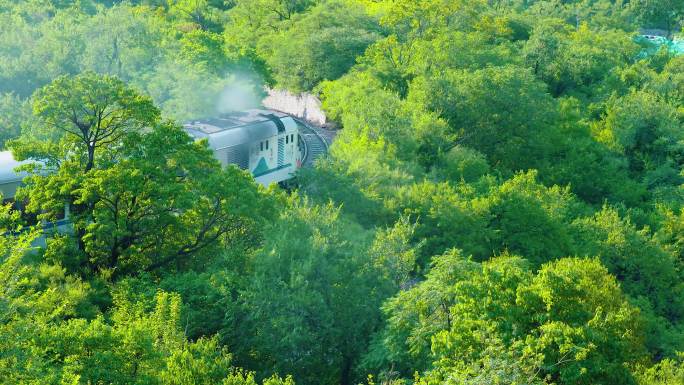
point(316, 142)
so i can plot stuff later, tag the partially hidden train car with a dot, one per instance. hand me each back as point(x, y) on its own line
point(10, 180)
point(264, 142)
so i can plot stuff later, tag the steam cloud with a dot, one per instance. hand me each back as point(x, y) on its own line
point(240, 94)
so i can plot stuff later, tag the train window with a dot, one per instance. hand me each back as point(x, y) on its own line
point(61, 214)
point(261, 144)
point(267, 144)
point(292, 138)
point(287, 139)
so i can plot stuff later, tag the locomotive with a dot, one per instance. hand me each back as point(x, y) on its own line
point(267, 143)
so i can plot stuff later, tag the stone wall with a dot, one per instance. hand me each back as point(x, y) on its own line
point(304, 106)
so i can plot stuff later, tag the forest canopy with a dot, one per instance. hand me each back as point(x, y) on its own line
point(503, 202)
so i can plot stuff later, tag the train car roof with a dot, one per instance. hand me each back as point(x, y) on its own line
point(203, 128)
point(7, 166)
point(240, 127)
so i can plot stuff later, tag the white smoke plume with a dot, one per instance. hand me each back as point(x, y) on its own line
point(239, 94)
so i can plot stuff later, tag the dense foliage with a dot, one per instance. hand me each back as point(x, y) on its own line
point(503, 203)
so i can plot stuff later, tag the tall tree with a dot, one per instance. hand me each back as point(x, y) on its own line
point(90, 115)
point(502, 112)
point(327, 40)
point(570, 323)
point(304, 314)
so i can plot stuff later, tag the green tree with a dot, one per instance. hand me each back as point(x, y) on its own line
point(13, 112)
point(464, 164)
point(577, 61)
point(51, 334)
point(671, 233)
point(588, 330)
point(250, 20)
point(423, 19)
point(502, 112)
point(198, 13)
point(35, 53)
point(166, 202)
point(415, 315)
point(666, 372)
point(530, 219)
point(206, 49)
point(665, 14)
point(673, 79)
point(304, 313)
point(363, 106)
point(274, 10)
point(447, 217)
point(646, 129)
point(123, 41)
point(327, 40)
point(89, 114)
point(137, 343)
point(647, 272)
point(592, 170)
point(569, 323)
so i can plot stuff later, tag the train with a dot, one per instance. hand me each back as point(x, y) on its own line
point(10, 179)
point(267, 143)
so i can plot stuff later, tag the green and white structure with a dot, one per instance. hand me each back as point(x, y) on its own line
point(265, 142)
